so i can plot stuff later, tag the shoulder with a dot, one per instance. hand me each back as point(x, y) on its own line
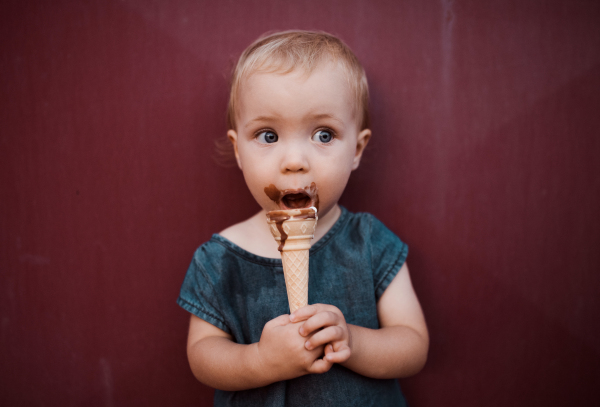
point(382, 242)
point(210, 254)
point(364, 233)
point(213, 264)
point(367, 225)
point(382, 238)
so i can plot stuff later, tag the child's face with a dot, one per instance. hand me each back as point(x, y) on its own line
point(294, 130)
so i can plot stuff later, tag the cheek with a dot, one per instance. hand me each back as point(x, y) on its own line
point(257, 177)
point(332, 182)
point(252, 163)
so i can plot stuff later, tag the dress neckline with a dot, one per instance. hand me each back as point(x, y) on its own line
point(255, 258)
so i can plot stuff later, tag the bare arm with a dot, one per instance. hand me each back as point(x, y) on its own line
point(398, 349)
point(280, 354)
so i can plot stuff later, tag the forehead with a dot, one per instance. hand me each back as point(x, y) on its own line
point(324, 91)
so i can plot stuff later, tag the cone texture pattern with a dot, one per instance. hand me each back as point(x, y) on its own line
point(293, 234)
point(295, 270)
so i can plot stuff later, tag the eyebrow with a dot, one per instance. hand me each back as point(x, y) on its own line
point(326, 116)
point(260, 119)
point(320, 116)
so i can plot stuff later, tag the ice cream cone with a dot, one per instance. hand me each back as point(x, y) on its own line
point(294, 229)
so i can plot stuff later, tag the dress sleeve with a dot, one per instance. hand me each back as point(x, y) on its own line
point(388, 254)
point(198, 294)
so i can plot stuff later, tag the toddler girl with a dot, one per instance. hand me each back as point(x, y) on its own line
point(298, 122)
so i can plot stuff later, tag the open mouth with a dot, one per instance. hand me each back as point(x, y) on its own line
point(296, 200)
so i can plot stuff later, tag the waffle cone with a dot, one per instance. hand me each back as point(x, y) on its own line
point(295, 271)
point(294, 232)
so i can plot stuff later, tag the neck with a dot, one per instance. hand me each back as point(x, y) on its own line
point(254, 235)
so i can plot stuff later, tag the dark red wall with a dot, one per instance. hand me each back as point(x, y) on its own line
point(484, 159)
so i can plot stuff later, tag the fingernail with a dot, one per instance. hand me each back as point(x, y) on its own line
point(307, 345)
point(292, 317)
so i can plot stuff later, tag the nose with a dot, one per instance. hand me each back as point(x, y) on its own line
point(294, 159)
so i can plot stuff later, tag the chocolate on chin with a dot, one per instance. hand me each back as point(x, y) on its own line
point(293, 230)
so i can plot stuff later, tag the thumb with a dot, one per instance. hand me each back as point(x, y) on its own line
point(279, 321)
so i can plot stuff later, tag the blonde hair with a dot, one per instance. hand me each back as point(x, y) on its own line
point(289, 50)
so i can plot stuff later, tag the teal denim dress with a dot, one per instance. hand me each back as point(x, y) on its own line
point(239, 292)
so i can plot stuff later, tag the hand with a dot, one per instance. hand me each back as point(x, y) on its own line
point(282, 351)
point(325, 325)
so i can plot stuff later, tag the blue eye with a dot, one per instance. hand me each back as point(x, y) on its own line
point(267, 137)
point(323, 136)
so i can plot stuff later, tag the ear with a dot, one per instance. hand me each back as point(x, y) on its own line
point(232, 136)
point(361, 142)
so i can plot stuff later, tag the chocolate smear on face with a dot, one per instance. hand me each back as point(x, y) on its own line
point(273, 193)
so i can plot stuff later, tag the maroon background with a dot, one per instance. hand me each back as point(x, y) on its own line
point(484, 159)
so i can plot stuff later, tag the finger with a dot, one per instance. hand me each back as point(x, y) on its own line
point(279, 321)
point(321, 320)
point(331, 334)
point(320, 366)
point(310, 310)
point(342, 355)
point(304, 313)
